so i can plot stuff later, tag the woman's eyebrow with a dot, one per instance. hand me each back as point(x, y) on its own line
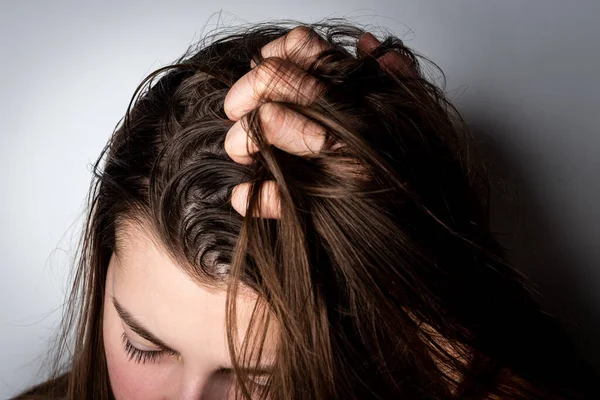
point(138, 328)
point(144, 332)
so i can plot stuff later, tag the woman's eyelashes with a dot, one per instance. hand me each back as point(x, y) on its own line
point(142, 356)
point(153, 356)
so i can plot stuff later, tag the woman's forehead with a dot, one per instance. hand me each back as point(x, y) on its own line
point(150, 284)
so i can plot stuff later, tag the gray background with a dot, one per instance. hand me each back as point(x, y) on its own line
point(523, 72)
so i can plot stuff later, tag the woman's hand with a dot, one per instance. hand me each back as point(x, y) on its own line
point(288, 55)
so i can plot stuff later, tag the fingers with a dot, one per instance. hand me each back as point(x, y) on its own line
point(275, 79)
point(270, 206)
point(285, 61)
point(282, 77)
point(286, 58)
point(284, 129)
point(392, 60)
point(301, 46)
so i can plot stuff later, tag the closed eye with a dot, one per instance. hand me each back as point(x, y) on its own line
point(140, 356)
point(138, 328)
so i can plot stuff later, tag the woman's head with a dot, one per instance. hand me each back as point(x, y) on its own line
point(382, 246)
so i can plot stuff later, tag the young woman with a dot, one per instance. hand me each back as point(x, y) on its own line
point(284, 215)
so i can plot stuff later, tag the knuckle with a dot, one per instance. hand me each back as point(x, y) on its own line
point(301, 33)
point(302, 36)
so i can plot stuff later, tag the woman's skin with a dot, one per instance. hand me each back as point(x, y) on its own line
point(145, 287)
point(144, 283)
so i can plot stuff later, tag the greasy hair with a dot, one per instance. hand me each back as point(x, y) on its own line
point(382, 276)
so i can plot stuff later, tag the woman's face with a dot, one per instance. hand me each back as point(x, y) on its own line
point(164, 335)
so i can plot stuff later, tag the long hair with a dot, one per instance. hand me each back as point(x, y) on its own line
point(382, 275)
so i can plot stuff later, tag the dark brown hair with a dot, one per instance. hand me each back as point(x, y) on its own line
point(382, 273)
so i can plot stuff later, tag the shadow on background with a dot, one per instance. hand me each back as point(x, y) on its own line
point(534, 244)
